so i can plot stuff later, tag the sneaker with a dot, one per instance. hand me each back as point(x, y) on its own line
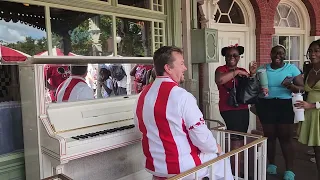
point(272, 169)
point(311, 153)
point(288, 175)
point(313, 160)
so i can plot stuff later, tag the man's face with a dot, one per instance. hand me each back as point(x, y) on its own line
point(177, 69)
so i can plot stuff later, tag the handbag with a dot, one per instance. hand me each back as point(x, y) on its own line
point(248, 90)
point(232, 100)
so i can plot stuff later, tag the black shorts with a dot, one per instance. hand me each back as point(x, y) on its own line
point(236, 120)
point(275, 111)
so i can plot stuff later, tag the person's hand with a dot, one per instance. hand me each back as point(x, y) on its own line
point(304, 105)
point(241, 73)
point(265, 91)
point(219, 149)
point(287, 84)
point(253, 67)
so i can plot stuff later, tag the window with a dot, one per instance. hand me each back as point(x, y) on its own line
point(286, 21)
point(84, 33)
point(229, 11)
point(292, 46)
point(155, 5)
point(286, 16)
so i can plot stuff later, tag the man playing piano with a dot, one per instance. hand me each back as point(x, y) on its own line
point(75, 87)
point(174, 135)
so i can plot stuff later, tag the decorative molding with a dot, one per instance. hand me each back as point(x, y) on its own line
point(207, 10)
point(201, 15)
point(214, 7)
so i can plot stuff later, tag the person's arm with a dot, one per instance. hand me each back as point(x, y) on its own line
point(298, 83)
point(224, 77)
point(198, 131)
point(133, 70)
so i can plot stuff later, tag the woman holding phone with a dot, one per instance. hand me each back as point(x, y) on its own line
point(310, 127)
point(275, 109)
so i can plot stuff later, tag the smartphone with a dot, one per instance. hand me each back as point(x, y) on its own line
point(288, 79)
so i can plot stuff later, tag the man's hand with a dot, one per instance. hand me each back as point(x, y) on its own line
point(219, 149)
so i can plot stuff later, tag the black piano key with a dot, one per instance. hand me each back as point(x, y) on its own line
point(83, 136)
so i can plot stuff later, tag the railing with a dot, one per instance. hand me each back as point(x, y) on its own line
point(255, 143)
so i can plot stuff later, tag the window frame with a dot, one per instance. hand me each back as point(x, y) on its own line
point(227, 14)
point(301, 55)
point(110, 8)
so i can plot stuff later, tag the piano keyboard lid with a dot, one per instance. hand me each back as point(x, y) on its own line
point(76, 115)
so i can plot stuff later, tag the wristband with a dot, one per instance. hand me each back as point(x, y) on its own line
point(317, 105)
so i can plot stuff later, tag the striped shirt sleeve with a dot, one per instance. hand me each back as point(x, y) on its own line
point(198, 131)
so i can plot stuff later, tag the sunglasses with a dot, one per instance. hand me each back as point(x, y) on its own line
point(232, 55)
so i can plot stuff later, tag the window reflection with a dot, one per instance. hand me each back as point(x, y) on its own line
point(135, 37)
point(97, 81)
point(86, 34)
point(22, 28)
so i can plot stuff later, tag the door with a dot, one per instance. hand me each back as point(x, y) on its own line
point(226, 39)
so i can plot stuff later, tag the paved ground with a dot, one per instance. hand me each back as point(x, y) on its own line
point(304, 169)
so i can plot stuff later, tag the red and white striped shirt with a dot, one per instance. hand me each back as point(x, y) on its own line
point(74, 88)
point(173, 130)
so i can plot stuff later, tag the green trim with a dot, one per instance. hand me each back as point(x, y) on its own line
point(99, 7)
point(169, 29)
point(176, 21)
point(10, 156)
point(194, 14)
point(12, 166)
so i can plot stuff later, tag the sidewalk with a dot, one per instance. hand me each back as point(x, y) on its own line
point(304, 168)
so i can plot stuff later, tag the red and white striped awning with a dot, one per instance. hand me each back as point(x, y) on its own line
point(55, 52)
point(11, 55)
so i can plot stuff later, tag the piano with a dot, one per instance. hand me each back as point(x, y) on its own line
point(75, 130)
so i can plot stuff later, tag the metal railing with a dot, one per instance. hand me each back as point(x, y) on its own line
point(251, 142)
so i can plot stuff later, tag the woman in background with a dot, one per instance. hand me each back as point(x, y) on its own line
point(275, 110)
point(310, 127)
point(235, 116)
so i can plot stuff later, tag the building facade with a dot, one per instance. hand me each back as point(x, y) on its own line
point(258, 26)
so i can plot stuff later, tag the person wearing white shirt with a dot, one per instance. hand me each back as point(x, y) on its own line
point(175, 137)
point(105, 81)
point(75, 87)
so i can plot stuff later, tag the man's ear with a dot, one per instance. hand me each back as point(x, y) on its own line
point(167, 68)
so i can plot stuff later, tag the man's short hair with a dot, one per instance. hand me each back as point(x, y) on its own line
point(79, 70)
point(163, 56)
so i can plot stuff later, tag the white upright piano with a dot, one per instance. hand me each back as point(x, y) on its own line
point(75, 130)
point(93, 139)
